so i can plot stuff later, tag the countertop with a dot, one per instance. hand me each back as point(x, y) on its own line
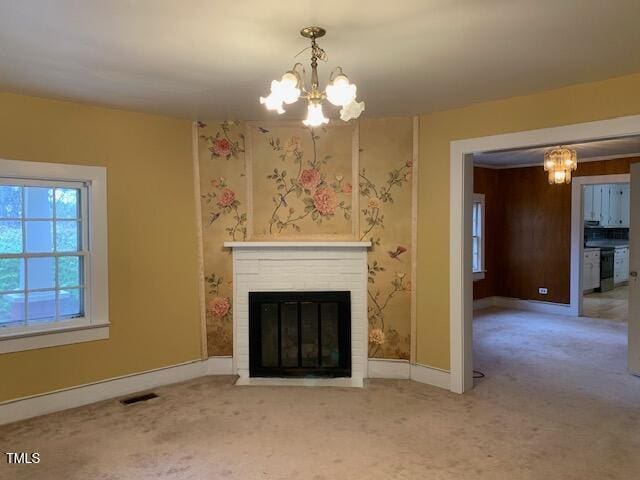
point(607, 243)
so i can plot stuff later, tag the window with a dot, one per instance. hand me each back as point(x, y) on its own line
point(477, 228)
point(52, 255)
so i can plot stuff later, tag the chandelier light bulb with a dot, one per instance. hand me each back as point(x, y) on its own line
point(559, 176)
point(340, 92)
point(288, 88)
point(273, 101)
point(351, 110)
point(315, 117)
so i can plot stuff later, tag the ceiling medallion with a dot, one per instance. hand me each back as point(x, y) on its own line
point(340, 92)
point(560, 162)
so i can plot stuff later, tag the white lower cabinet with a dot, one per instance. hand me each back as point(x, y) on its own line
point(621, 265)
point(591, 269)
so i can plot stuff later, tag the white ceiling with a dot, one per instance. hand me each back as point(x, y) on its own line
point(212, 59)
point(601, 149)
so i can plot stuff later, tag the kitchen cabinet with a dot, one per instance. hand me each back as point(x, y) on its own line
point(591, 269)
point(607, 204)
point(592, 203)
point(587, 203)
point(621, 265)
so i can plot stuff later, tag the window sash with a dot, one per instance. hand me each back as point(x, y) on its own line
point(477, 254)
point(27, 324)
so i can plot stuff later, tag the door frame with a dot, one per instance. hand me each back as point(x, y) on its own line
point(461, 198)
point(577, 228)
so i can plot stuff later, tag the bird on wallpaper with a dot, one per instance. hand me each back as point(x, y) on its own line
point(399, 251)
point(263, 130)
point(214, 217)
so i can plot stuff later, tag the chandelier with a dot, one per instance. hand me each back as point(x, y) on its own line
point(560, 162)
point(340, 92)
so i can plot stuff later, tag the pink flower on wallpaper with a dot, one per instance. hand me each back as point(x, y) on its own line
point(226, 198)
point(310, 178)
point(221, 147)
point(376, 336)
point(219, 306)
point(325, 201)
point(347, 188)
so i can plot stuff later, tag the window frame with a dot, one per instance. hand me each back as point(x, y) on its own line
point(94, 325)
point(479, 199)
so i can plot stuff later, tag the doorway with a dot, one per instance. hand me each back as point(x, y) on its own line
point(600, 225)
point(461, 202)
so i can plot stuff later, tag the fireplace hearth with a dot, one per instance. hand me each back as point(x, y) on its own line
point(300, 334)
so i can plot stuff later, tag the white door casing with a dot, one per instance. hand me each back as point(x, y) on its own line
point(633, 359)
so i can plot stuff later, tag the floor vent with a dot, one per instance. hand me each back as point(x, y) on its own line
point(138, 398)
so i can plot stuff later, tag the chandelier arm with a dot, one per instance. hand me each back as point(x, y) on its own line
point(333, 72)
point(299, 75)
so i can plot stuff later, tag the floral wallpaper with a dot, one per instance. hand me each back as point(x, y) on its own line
point(302, 186)
point(386, 150)
point(302, 181)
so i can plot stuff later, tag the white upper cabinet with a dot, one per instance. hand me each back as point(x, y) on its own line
point(587, 202)
point(607, 204)
point(624, 204)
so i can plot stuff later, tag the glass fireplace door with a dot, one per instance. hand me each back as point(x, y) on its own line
point(299, 334)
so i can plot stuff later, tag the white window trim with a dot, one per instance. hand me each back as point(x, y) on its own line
point(479, 274)
point(95, 323)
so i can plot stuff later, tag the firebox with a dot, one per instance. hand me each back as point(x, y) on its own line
point(299, 334)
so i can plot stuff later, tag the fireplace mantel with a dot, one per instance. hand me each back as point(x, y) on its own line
point(300, 266)
point(291, 244)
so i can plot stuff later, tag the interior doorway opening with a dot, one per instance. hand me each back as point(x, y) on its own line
point(462, 157)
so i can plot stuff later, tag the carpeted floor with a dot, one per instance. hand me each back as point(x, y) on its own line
point(556, 403)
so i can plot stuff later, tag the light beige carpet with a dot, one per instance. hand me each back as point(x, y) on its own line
point(556, 404)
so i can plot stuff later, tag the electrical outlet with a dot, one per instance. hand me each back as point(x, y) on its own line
point(542, 291)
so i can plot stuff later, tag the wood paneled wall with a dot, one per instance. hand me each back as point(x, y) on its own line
point(528, 230)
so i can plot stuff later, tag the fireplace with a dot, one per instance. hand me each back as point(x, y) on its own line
point(295, 277)
point(299, 334)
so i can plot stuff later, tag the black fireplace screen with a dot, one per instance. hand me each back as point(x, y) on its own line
point(299, 334)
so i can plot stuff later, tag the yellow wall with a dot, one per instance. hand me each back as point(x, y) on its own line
point(153, 279)
point(581, 103)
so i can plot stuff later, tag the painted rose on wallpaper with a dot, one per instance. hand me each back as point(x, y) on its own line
point(220, 145)
point(224, 198)
point(308, 194)
point(324, 201)
point(219, 306)
point(309, 178)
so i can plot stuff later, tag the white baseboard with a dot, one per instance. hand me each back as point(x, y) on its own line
point(220, 365)
point(41, 404)
point(388, 368)
point(529, 305)
point(431, 376)
point(35, 405)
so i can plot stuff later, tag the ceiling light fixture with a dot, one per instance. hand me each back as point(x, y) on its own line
point(560, 162)
point(340, 92)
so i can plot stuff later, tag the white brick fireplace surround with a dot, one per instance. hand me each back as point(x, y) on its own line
point(300, 266)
